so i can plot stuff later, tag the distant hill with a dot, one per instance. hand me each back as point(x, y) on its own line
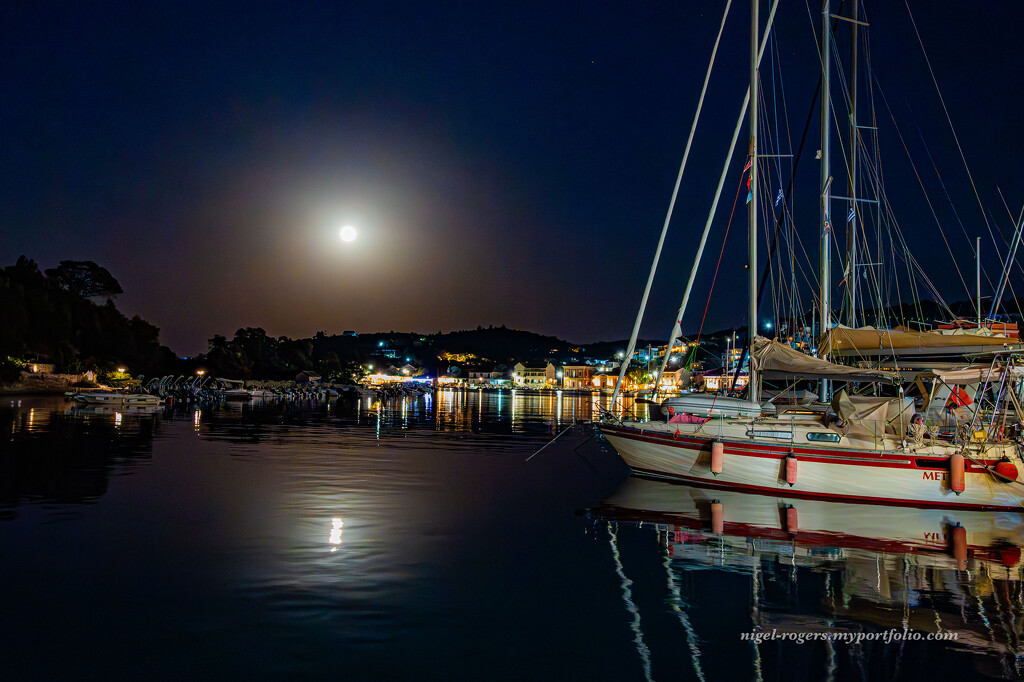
point(502, 344)
point(515, 345)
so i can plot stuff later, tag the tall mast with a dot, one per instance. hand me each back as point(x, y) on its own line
point(977, 274)
point(753, 204)
point(825, 252)
point(851, 229)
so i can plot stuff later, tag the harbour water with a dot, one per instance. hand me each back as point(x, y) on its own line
point(412, 539)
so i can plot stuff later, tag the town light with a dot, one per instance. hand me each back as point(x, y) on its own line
point(200, 372)
point(122, 370)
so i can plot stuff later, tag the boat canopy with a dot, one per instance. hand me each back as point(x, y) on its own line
point(776, 360)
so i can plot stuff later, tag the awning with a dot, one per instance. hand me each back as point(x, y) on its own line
point(775, 360)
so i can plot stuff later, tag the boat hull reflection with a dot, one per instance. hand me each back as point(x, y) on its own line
point(942, 537)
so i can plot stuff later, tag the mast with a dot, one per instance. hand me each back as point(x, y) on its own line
point(677, 327)
point(825, 252)
point(752, 206)
point(627, 358)
point(977, 274)
point(851, 227)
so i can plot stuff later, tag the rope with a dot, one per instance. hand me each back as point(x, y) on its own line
point(549, 442)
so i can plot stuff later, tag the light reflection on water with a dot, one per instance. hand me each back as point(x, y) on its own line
point(407, 539)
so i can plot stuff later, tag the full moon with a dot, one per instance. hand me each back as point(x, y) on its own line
point(348, 234)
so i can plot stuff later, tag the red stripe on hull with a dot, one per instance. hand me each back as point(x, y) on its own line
point(753, 449)
point(775, 492)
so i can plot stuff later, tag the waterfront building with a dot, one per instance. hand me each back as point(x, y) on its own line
point(534, 377)
point(577, 376)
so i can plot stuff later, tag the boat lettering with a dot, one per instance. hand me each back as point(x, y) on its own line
point(934, 537)
point(934, 475)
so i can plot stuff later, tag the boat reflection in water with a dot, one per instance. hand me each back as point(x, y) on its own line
point(949, 581)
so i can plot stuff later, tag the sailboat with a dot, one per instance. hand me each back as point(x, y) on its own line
point(856, 448)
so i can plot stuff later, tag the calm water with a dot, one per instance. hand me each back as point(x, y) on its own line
point(409, 540)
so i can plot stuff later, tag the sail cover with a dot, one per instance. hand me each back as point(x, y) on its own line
point(902, 341)
point(775, 360)
point(976, 374)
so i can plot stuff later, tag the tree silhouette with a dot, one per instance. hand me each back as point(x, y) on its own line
point(85, 279)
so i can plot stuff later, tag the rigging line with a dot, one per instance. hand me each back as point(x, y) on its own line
point(767, 141)
point(668, 216)
point(946, 112)
point(952, 206)
point(1016, 262)
point(677, 324)
point(794, 302)
point(1016, 301)
point(1005, 276)
point(720, 254)
point(923, 190)
point(792, 177)
point(907, 256)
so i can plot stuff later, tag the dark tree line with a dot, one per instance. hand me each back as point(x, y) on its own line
point(252, 354)
point(52, 317)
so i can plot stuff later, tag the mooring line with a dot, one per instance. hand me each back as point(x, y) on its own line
point(549, 442)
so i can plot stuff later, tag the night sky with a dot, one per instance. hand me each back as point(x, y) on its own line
point(503, 163)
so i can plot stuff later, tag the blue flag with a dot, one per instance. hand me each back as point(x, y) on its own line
point(853, 214)
point(778, 198)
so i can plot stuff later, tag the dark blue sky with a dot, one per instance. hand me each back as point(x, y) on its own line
point(503, 163)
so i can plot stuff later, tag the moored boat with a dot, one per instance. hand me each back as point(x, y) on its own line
point(237, 394)
point(864, 449)
point(101, 397)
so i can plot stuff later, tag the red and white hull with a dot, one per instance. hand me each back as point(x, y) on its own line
point(884, 475)
point(989, 536)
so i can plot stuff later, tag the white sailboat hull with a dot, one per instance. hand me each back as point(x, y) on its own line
point(824, 471)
